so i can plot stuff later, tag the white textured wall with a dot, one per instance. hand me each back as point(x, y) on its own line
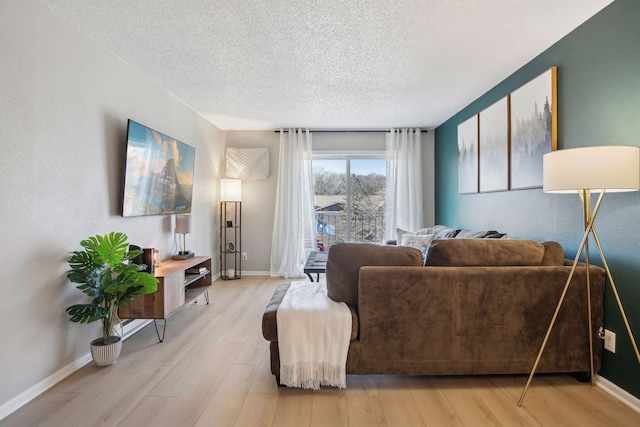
point(64, 104)
point(258, 200)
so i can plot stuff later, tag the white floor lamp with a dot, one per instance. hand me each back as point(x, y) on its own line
point(589, 170)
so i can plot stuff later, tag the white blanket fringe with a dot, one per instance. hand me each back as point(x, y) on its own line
point(313, 337)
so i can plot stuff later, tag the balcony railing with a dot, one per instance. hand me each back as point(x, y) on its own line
point(333, 227)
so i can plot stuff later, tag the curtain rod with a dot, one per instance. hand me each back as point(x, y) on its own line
point(347, 130)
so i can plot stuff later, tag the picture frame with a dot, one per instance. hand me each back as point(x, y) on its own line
point(493, 123)
point(533, 128)
point(468, 156)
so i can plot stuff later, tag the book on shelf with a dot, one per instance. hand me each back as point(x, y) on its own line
point(197, 270)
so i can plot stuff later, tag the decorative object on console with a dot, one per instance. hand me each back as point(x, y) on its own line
point(147, 258)
point(156, 258)
point(104, 272)
point(230, 234)
point(247, 163)
point(586, 170)
point(183, 226)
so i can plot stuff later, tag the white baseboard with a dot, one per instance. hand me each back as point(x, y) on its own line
point(622, 395)
point(31, 393)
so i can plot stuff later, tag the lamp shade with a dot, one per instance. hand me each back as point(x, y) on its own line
point(230, 190)
point(612, 168)
point(183, 224)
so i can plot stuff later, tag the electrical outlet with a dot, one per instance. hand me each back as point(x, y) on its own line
point(244, 256)
point(610, 340)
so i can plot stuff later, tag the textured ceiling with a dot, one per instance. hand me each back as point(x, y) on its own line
point(370, 64)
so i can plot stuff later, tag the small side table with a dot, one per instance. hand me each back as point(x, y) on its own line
point(316, 263)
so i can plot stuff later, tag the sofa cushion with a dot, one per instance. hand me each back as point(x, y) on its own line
point(489, 252)
point(416, 240)
point(345, 259)
point(553, 254)
point(470, 234)
point(444, 232)
point(422, 232)
point(496, 235)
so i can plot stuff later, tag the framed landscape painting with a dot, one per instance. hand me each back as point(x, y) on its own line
point(533, 129)
point(494, 147)
point(468, 156)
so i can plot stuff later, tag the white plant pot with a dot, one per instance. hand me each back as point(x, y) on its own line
point(105, 354)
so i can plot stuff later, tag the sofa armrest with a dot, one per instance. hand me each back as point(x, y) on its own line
point(270, 322)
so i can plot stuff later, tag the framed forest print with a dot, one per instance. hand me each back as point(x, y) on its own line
point(534, 119)
point(468, 156)
point(494, 147)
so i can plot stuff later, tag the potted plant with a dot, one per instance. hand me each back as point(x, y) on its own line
point(104, 271)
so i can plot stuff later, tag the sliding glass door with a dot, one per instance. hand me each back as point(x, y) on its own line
point(349, 199)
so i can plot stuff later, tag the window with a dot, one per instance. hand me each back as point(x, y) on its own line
point(349, 210)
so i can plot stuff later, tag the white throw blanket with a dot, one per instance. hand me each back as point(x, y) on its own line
point(313, 337)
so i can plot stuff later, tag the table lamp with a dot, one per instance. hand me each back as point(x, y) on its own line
point(183, 226)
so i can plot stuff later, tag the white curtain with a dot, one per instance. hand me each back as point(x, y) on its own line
point(404, 182)
point(294, 234)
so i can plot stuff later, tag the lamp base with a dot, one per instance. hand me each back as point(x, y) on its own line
point(183, 255)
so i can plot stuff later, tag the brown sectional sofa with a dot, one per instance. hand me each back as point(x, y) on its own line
point(479, 306)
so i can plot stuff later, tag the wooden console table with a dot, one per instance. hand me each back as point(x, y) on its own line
point(180, 282)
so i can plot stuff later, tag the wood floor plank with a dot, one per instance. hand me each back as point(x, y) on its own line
point(264, 381)
point(501, 404)
point(148, 412)
point(182, 373)
point(365, 410)
point(106, 404)
point(434, 407)
point(399, 406)
point(579, 402)
point(294, 408)
point(361, 384)
point(188, 407)
point(257, 410)
point(329, 408)
point(225, 405)
point(38, 409)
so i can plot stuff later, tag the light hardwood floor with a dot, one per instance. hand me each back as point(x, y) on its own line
point(213, 370)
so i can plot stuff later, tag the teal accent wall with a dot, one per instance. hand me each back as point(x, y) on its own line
point(598, 104)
